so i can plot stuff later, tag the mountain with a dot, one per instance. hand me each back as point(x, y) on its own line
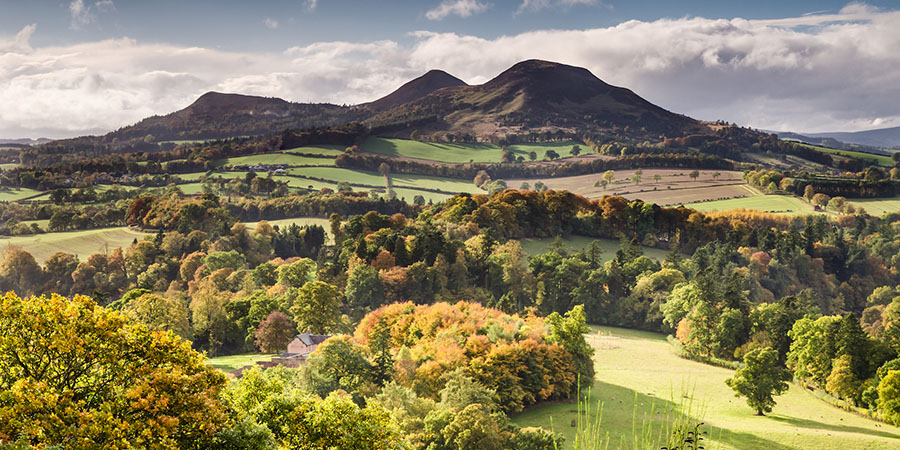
point(416, 89)
point(217, 115)
point(540, 95)
point(883, 138)
point(24, 141)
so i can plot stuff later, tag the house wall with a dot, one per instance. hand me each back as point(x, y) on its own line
point(297, 346)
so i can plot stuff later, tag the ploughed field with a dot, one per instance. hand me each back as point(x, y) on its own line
point(639, 375)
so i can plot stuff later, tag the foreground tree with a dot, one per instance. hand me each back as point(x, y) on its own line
point(75, 374)
point(760, 380)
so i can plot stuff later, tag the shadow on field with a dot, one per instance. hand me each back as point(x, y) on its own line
point(804, 423)
point(632, 418)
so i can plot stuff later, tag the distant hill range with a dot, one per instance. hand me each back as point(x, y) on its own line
point(530, 96)
point(883, 138)
point(23, 142)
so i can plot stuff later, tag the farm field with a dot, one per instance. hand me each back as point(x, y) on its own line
point(330, 150)
point(370, 178)
point(879, 159)
point(877, 206)
point(461, 153)
point(231, 363)
point(8, 194)
point(80, 243)
point(674, 187)
point(278, 158)
point(7, 166)
point(637, 370)
point(573, 243)
point(785, 204)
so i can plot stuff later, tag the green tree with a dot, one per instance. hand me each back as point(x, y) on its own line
point(317, 308)
point(159, 313)
point(694, 174)
point(364, 288)
point(608, 177)
point(760, 380)
point(532, 155)
point(569, 332)
point(297, 273)
point(575, 151)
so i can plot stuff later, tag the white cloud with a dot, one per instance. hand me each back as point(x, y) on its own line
point(311, 4)
point(270, 23)
point(537, 5)
point(86, 14)
point(833, 75)
point(461, 8)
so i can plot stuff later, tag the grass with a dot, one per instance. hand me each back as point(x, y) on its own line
point(8, 194)
point(371, 178)
point(8, 166)
point(461, 153)
point(784, 204)
point(80, 243)
point(871, 157)
point(278, 158)
point(231, 363)
point(639, 375)
point(877, 206)
point(330, 150)
point(576, 243)
point(301, 221)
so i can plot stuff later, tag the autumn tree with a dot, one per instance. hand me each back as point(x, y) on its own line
point(760, 379)
point(608, 177)
point(694, 174)
point(75, 374)
point(274, 333)
point(159, 313)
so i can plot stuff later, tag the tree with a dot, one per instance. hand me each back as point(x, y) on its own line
point(575, 151)
point(656, 178)
point(159, 313)
point(694, 174)
point(842, 382)
point(636, 178)
point(274, 332)
point(297, 273)
point(716, 175)
point(317, 308)
point(481, 178)
point(569, 332)
point(418, 199)
point(809, 192)
point(364, 288)
point(760, 380)
point(820, 200)
point(608, 177)
point(75, 373)
point(524, 186)
point(551, 155)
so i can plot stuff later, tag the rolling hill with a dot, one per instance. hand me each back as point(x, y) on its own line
point(415, 89)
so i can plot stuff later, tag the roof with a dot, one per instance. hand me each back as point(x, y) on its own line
point(312, 339)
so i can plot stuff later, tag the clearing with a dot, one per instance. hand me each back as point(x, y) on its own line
point(574, 243)
point(637, 369)
point(231, 363)
point(79, 243)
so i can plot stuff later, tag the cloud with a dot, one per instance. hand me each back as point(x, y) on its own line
point(270, 23)
point(310, 4)
point(461, 8)
point(537, 5)
point(86, 14)
point(838, 74)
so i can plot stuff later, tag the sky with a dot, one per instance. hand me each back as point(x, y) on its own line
point(75, 67)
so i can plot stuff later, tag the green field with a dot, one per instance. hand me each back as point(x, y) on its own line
point(371, 178)
point(234, 362)
point(785, 204)
point(278, 158)
point(80, 243)
point(461, 153)
point(877, 206)
point(8, 194)
point(8, 166)
point(638, 369)
point(877, 159)
point(575, 243)
point(330, 150)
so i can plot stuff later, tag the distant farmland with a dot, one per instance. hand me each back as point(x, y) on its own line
point(463, 153)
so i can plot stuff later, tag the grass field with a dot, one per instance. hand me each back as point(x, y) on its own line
point(784, 204)
point(576, 243)
point(636, 369)
point(878, 159)
point(370, 178)
point(330, 150)
point(278, 158)
point(8, 166)
point(234, 362)
point(8, 194)
point(80, 243)
point(877, 206)
point(461, 153)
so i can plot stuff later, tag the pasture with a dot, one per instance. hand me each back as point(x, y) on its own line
point(329, 150)
point(277, 158)
point(11, 194)
point(877, 206)
point(638, 376)
point(881, 160)
point(782, 204)
point(231, 363)
point(462, 153)
point(80, 243)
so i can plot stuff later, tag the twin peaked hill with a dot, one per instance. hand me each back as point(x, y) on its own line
point(531, 95)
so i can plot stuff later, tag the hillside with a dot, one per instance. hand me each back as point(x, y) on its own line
point(416, 89)
point(541, 95)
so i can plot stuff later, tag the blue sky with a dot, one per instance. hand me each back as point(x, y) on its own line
point(71, 67)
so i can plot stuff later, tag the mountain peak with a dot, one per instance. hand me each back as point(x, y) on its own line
point(413, 90)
